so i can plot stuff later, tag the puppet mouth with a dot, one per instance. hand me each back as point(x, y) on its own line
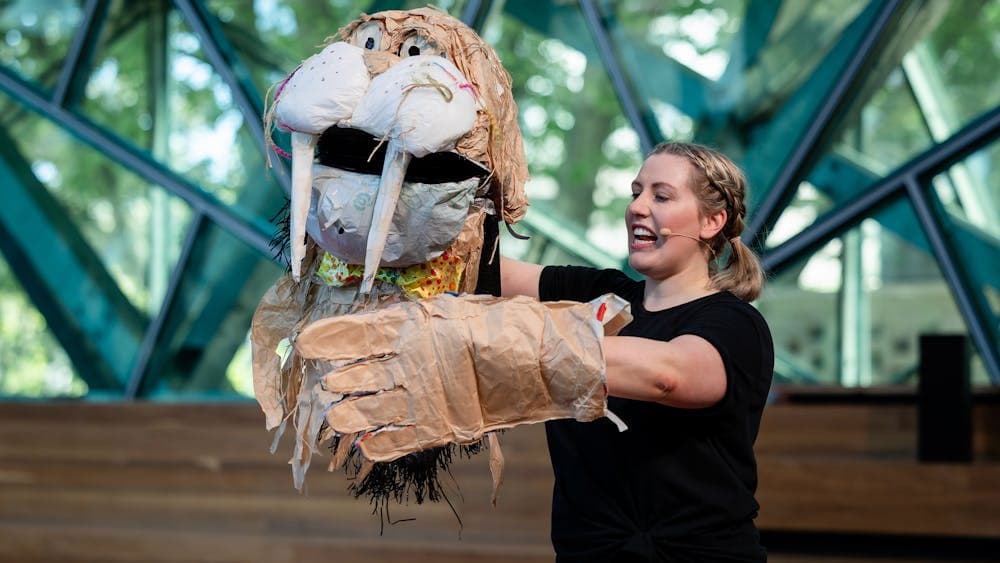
point(354, 150)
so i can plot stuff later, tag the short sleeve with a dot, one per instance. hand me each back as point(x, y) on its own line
point(741, 336)
point(578, 283)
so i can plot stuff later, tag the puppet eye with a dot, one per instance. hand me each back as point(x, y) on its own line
point(368, 36)
point(419, 45)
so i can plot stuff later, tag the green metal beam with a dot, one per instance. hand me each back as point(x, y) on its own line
point(783, 41)
point(214, 291)
point(475, 12)
point(936, 159)
point(255, 231)
point(227, 63)
point(744, 57)
point(783, 149)
point(843, 181)
point(970, 299)
point(654, 75)
point(758, 21)
point(643, 121)
point(94, 322)
point(79, 60)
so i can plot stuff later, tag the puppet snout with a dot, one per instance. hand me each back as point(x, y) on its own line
point(321, 93)
point(423, 102)
point(324, 90)
point(379, 61)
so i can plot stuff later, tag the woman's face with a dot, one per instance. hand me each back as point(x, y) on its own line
point(662, 199)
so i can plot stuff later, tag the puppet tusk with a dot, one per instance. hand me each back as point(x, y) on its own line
point(303, 145)
point(393, 172)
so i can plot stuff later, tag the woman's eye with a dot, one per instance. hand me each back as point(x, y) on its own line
point(368, 36)
point(418, 45)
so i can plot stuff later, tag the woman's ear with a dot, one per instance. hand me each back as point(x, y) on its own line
point(712, 224)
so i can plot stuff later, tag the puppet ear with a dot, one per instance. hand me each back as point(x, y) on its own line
point(510, 152)
point(505, 149)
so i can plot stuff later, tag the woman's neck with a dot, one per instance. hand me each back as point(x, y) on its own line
point(676, 290)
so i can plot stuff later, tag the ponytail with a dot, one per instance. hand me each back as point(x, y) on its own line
point(742, 275)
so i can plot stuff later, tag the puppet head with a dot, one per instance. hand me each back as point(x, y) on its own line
point(414, 121)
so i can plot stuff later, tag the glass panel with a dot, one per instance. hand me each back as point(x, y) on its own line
point(833, 182)
point(35, 36)
point(239, 373)
point(800, 305)
point(186, 118)
point(955, 69)
point(970, 190)
point(730, 53)
point(970, 194)
point(889, 129)
point(274, 37)
point(673, 53)
point(846, 314)
point(697, 34)
point(947, 77)
point(808, 204)
point(32, 363)
point(207, 323)
point(582, 153)
point(121, 89)
point(136, 229)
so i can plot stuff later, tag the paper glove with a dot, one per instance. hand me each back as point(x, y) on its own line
point(448, 369)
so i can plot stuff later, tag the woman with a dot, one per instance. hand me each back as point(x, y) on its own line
point(689, 376)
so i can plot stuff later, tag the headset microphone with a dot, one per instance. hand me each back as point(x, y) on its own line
point(666, 233)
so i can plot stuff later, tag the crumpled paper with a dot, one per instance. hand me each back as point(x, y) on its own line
point(449, 369)
point(342, 207)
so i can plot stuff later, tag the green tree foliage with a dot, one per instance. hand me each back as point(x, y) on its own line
point(582, 152)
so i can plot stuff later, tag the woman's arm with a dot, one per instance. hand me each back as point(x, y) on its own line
point(519, 278)
point(686, 372)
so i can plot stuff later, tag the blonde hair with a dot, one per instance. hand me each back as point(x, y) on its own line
point(720, 185)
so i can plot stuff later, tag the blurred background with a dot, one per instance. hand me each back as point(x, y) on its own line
point(137, 210)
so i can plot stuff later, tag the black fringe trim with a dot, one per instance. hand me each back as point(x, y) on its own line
point(281, 241)
point(416, 476)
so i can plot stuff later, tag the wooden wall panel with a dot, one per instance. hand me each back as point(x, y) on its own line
point(157, 482)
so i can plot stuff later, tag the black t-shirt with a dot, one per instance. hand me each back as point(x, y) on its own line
point(679, 484)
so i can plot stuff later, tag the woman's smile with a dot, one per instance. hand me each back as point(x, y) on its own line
point(642, 237)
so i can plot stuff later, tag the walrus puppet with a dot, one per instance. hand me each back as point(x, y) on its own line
point(382, 345)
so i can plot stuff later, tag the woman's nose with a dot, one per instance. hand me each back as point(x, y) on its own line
point(638, 206)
